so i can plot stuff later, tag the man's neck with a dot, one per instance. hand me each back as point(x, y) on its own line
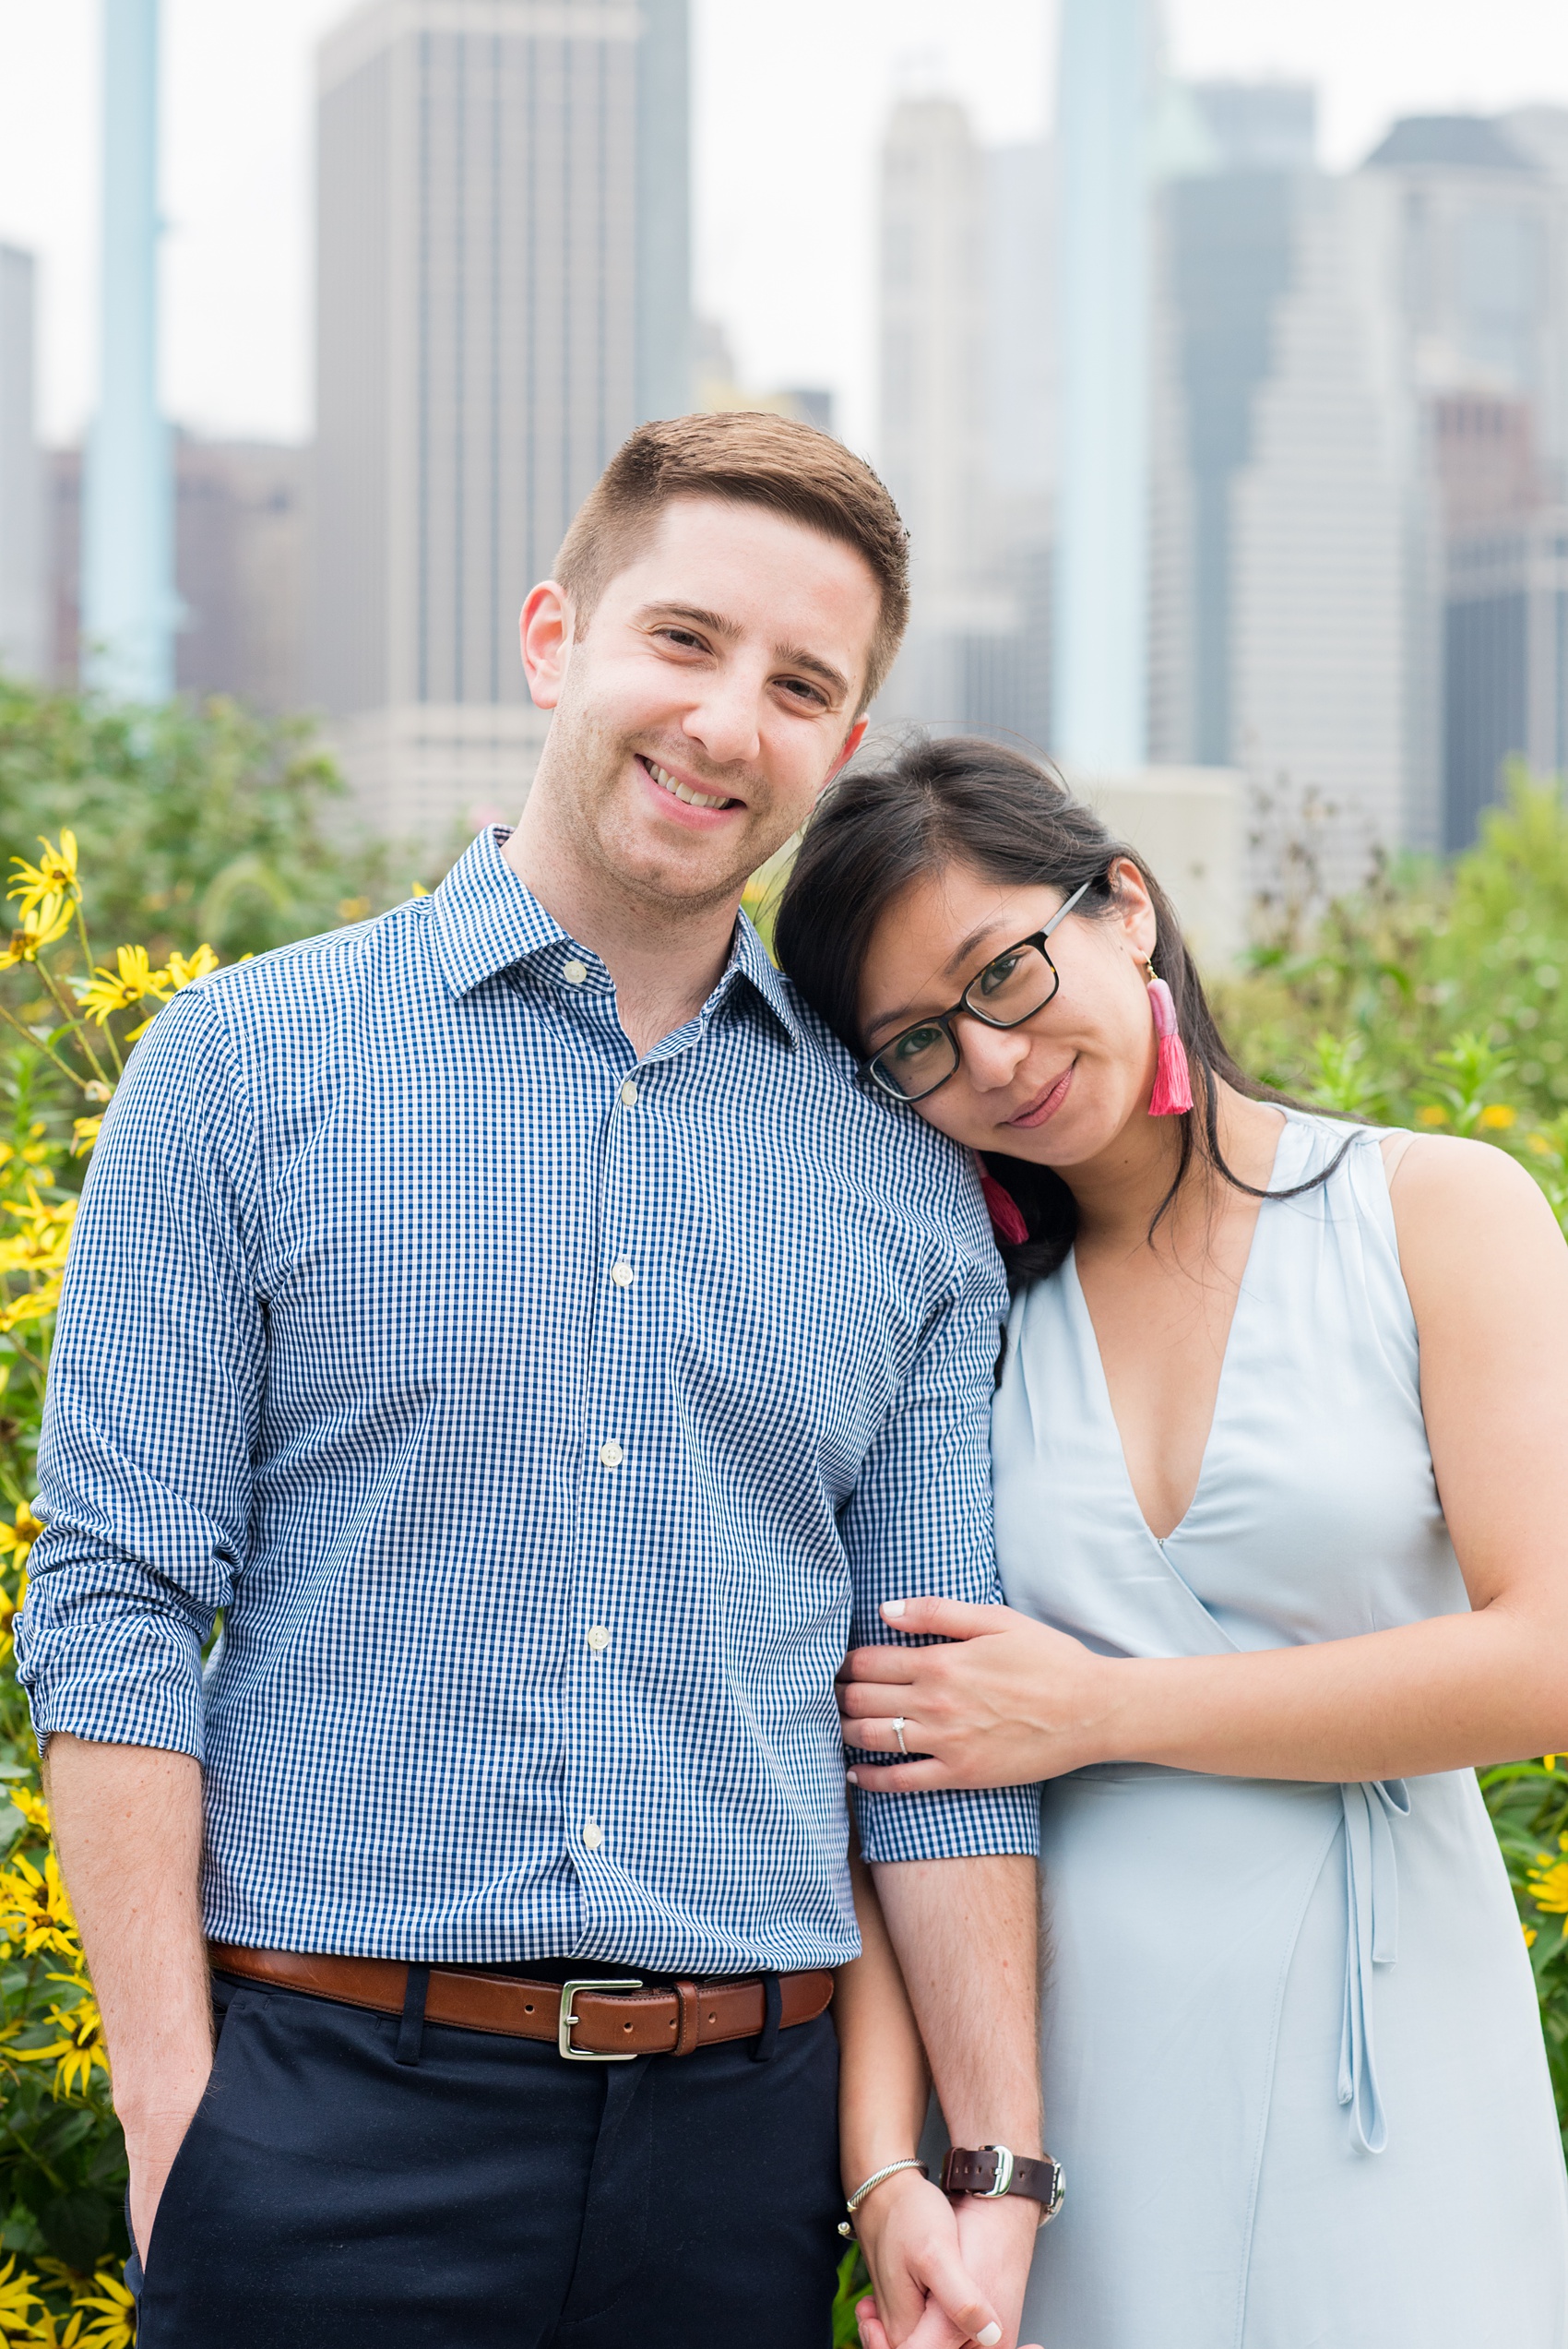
point(665, 960)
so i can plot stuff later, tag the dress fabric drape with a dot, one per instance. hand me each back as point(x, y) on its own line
point(1291, 2055)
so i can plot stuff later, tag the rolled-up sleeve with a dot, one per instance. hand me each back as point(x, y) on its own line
point(154, 1392)
point(919, 1523)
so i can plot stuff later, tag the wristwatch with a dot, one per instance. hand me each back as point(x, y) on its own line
point(990, 2171)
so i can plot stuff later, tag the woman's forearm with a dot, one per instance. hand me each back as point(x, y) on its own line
point(1453, 1692)
point(1002, 1700)
point(882, 2082)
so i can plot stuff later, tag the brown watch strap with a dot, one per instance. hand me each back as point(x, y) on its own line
point(603, 2022)
point(993, 2170)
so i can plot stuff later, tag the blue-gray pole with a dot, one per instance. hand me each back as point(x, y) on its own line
point(127, 516)
point(1099, 672)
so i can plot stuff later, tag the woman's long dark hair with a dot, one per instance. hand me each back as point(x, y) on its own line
point(960, 801)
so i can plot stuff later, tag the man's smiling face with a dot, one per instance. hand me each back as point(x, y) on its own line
point(712, 694)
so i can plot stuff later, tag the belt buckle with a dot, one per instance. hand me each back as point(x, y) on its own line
point(568, 2019)
point(1004, 2175)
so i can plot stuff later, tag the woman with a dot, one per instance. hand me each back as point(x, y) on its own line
point(1292, 2061)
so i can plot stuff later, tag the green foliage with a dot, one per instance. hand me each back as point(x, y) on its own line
point(853, 2285)
point(203, 822)
point(1439, 997)
point(1529, 1802)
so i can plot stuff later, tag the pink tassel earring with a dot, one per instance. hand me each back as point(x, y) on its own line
point(1006, 1217)
point(1172, 1091)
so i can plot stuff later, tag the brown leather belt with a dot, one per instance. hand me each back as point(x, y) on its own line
point(592, 2021)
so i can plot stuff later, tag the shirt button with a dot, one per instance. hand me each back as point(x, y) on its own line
point(598, 1639)
point(621, 1274)
point(593, 1834)
point(573, 974)
point(610, 1455)
point(629, 1094)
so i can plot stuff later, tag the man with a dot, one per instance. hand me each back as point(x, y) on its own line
point(511, 1317)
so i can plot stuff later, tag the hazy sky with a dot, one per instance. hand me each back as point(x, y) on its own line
point(786, 125)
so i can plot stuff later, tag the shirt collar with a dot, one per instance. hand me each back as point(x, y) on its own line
point(487, 921)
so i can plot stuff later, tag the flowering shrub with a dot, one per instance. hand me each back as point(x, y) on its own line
point(62, 2163)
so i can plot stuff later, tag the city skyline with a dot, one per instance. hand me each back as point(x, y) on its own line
point(785, 190)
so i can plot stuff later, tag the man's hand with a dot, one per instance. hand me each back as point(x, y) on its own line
point(941, 2281)
point(151, 2143)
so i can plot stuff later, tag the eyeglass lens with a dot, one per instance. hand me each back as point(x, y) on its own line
point(1007, 992)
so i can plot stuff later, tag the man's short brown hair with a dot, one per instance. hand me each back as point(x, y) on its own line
point(752, 460)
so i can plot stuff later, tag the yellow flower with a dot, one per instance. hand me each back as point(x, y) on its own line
point(31, 1306)
point(42, 1244)
point(1547, 1883)
point(20, 1535)
point(11, 1606)
point(1433, 1113)
point(55, 870)
point(1549, 1762)
point(1498, 1114)
point(116, 2325)
point(1529, 1937)
point(109, 991)
point(18, 2291)
point(77, 2053)
point(84, 1132)
point(420, 889)
point(181, 968)
point(34, 1809)
point(1538, 1143)
point(40, 926)
point(352, 908)
point(35, 1913)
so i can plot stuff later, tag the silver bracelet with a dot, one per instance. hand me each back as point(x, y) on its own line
point(859, 2196)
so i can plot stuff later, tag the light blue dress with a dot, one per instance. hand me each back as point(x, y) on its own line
point(1291, 2056)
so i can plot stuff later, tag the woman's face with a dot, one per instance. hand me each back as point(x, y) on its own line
point(1060, 1087)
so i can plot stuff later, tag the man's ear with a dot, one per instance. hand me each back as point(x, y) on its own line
point(545, 633)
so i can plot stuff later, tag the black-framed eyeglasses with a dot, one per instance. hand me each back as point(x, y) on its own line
point(1014, 986)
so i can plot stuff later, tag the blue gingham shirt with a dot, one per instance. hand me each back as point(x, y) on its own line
point(546, 1425)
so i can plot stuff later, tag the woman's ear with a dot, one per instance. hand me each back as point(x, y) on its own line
point(1133, 907)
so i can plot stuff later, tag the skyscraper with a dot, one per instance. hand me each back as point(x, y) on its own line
point(1335, 577)
point(967, 385)
point(23, 567)
point(932, 324)
point(129, 607)
point(1479, 211)
point(501, 293)
point(1105, 117)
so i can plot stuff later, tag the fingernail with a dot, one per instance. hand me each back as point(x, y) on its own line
point(989, 2337)
point(895, 1607)
point(850, 1779)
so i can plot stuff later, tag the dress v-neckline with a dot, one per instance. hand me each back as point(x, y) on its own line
point(1081, 1304)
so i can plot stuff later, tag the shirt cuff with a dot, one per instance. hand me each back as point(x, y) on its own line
point(108, 1673)
point(964, 1823)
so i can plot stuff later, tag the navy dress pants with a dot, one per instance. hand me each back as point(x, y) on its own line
point(350, 2183)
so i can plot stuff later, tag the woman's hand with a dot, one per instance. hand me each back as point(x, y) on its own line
point(1006, 1701)
point(926, 2296)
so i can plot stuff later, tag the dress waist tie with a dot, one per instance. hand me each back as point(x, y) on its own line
point(1371, 1887)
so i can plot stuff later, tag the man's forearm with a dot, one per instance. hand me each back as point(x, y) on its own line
point(966, 1932)
point(127, 1827)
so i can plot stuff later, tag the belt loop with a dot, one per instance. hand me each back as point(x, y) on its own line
point(686, 2007)
point(410, 2031)
point(766, 2046)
